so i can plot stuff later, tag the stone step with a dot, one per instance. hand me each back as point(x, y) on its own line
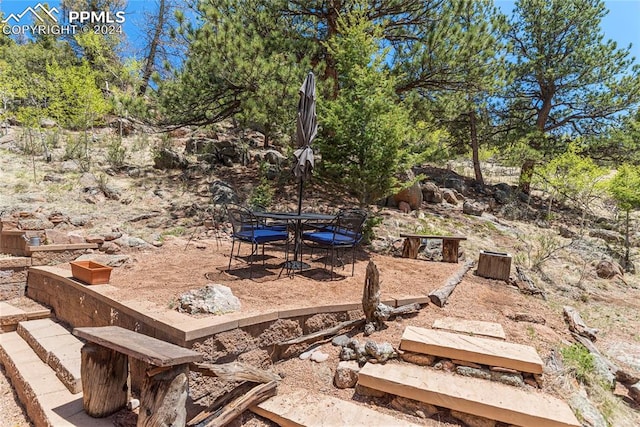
point(47, 401)
point(484, 351)
point(56, 347)
point(10, 315)
point(474, 396)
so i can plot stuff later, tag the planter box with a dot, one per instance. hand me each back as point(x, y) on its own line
point(90, 272)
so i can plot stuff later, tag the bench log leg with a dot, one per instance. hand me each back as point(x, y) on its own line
point(104, 380)
point(164, 397)
point(411, 247)
point(450, 250)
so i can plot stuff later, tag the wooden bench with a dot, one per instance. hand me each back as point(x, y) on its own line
point(450, 245)
point(104, 371)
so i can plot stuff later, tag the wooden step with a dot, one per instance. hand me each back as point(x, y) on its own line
point(474, 396)
point(301, 408)
point(471, 349)
point(56, 347)
point(471, 327)
point(46, 400)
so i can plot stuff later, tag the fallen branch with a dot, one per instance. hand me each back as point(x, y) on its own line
point(228, 413)
point(577, 325)
point(439, 296)
point(235, 371)
point(321, 334)
point(221, 401)
point(620, 375)
point(525, 285)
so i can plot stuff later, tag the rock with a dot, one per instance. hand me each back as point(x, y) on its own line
point(445, 365)
point(34, 224)
point(411, 195)
point(307, 354)
point(473, 420)
point(508, 378)
point(566, 232)
point(418, 358)
point(348, 354)
point(607, 235)
point(413, 407)
point(48, 123)
point(213, 298)
point(131, 242)
point(455, 183)
point(226, 152)
point(69, 166)
point(467, 371)
point(473, 208)
point(527, 317)
point(108, 260)
point(168, 159)
point(222, 193)
point(346, 374)
point(381, 352)
point(112, 235)
point(340, 340)
point(80, 221)
point(274, 157)
point(586, 410)
point(404, 207)
point(319, 356)
point(55, 237)
point(634, 392)
point(94, 238)
point(371, 392)
point(449, 196)
point(501, 197)
point(608, 269)
point(88, 181)
point(110, 248)
point(466, 363)
point(431, 193)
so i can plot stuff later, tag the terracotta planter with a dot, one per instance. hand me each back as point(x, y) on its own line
point(90, 272)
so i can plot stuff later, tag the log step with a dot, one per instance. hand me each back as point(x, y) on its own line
point(56, 347)
point(10, 316)
point(301, 408)
point(46, 400)
point(474, 396)
point(485, 351)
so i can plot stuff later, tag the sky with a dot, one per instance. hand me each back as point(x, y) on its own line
point(622, 24)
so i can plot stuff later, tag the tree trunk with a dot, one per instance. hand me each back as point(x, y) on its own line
point(104, 380)
point(577, 325)
point(371, 294)
point(475, 147)
point(153, 47)
point(411, 247)
point(439, 296)
point(626, 242)
point(164, 397)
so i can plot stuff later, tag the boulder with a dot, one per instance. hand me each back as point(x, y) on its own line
point(212, 299)
point(608, 269)
point(449, 196)
point(274, 157)
point(566, 232)
point(431, 193)
point(473, 208)
point(411, 195)
point(501, 197)
point(455, 183)
point(168, 159)
point(222, 193)
point(404, 207)
point(607, 235)
point(346, 374)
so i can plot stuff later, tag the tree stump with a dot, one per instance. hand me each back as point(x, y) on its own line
point(371, 298)
point(163, 398)
point(411, 247)
point(104, 380)
point(450, 250)
point(494, 265)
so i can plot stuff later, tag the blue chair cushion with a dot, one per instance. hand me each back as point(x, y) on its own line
point(261, 235)
point(341, 230)
point(330, 238)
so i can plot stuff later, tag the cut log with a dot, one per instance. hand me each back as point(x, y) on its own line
point(439, 296)
point(104, 380)
point(237, 406)
point(494, 265)
point(221, 401)
point(235, 371)
point(577, 325)
point(525, 285)
point(404, 309)
point(411, 247)
point(321, 334)
point(164, 397)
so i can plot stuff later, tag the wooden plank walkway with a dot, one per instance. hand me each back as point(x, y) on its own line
point(471, 349)
point(472, 327)
point(474, 396)
point(301, 408)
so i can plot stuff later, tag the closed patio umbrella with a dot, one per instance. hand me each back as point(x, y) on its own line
point(306, 130)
